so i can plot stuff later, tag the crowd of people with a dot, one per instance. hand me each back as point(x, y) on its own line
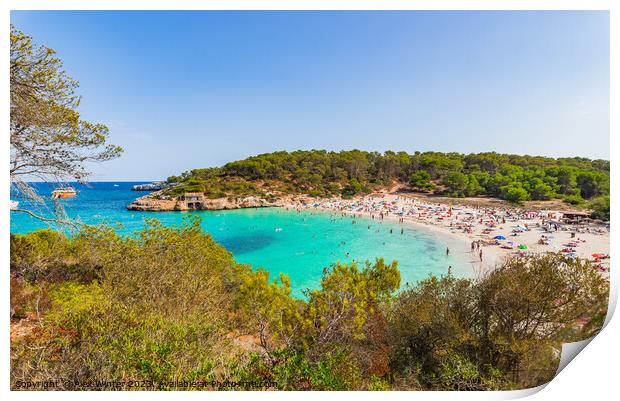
point(501, 230)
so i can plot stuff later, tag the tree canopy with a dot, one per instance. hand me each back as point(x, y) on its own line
point(321, 173)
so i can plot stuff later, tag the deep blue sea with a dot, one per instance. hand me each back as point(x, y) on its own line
point(298, 244)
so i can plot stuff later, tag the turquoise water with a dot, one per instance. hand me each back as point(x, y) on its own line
point(298, 244)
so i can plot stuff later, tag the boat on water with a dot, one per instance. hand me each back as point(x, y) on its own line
point(64, 193)
point(14, 204)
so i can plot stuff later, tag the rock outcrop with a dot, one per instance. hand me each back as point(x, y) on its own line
point(154, 186)
point(156, 202)
point(151, 203)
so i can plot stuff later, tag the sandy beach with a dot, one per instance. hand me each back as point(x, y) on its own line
point(471, 231)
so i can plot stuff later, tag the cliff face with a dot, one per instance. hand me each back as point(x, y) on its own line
point(150, 203)
point(155, 202)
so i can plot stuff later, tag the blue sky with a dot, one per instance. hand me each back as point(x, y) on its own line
point(182, 90)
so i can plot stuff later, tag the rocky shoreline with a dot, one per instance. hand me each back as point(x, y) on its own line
point(157, 202)
point(154, 186)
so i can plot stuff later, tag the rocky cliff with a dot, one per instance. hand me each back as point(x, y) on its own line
point(156, 202)
point(151, 203)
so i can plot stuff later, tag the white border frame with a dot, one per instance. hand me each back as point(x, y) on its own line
point(591, 375)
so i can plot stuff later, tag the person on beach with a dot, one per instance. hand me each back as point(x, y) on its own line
point(449, 270)
point(473, 246)
point(447, 251)
point(481, 255)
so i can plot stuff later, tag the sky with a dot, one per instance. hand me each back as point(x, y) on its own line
point(191, 89)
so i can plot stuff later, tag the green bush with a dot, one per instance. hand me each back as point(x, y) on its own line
point(600, 208)
point(574, 199)
point(168, 303)
point(514, 193)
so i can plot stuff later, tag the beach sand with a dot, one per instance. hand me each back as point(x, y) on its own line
point(458, 226)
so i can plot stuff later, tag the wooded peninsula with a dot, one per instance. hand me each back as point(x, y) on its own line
point(577, 181)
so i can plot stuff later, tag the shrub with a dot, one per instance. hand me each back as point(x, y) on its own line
point(574, 199)
point(600, 208)
point(168, 303)
point(514, 193)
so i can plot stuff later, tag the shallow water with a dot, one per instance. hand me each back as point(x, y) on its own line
point(299, 244)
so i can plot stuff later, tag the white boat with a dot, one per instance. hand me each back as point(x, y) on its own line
point(64, 193)
point(14, 204)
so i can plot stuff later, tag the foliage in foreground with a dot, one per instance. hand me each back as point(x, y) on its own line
point(169, 305)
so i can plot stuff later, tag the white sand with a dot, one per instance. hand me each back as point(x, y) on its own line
point(458, 226)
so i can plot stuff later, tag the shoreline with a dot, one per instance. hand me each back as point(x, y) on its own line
point(461, 225)
point(467, 229)
point(457, 243)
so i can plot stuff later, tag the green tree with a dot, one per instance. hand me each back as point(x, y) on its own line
point(353, 188)
point(456, 183)
point(421, 179)
point(590, 183)
point(49, 139)
point(600, 208)
point(473, 186)
point(321, 173)
point(538, 190)
point(348, 296)
point(171, 304)
point(514, 193)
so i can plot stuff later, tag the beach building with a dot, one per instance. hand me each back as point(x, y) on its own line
point(193, 200)
point(574, 217)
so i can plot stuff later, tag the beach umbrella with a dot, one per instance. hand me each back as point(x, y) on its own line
point(500, 237)
point(522, 246)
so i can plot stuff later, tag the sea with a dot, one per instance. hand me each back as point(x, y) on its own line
point(300, 244)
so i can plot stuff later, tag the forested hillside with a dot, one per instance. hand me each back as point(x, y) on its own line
point(320, 173)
